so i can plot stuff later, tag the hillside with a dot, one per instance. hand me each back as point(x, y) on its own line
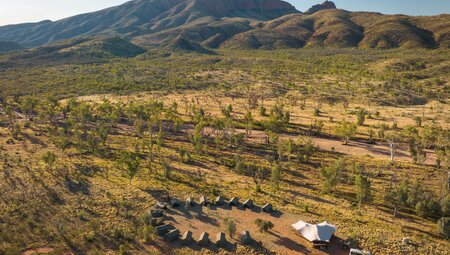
point(9, 46)
point(141, 17)
point(83, 50)
point(250, 24)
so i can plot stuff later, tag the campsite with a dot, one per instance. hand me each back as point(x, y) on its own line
point(283, 237)
point(229, 127)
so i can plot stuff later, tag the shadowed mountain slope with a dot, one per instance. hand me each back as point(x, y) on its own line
point(9, 46)
point(239, 24)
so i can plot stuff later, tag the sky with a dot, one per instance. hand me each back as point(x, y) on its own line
point(20, 11)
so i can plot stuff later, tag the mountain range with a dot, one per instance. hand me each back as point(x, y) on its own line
point(202, 25)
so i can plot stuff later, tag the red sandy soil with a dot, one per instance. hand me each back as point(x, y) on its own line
point(282, 238)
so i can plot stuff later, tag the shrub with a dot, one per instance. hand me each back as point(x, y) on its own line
point(418, 121)
point(230, 227)
point(361, 117)
point(330, 175)
point(264, 225)
point(275, 177)
point(444, 226)
point(123, 250)
point(148, 233)
point(345, 130)
point(262, 111)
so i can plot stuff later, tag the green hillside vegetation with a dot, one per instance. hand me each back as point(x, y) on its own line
point(83, 50)
point(9, 46)
point(374, 76)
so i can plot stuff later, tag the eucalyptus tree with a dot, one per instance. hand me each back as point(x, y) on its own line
point(362, 189)
point(129, 162)
point(345, 130)
point(28, 105)
point(249, 123)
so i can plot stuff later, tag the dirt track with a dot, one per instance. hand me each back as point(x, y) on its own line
point(377, 151)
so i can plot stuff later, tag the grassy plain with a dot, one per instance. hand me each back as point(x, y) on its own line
point(84, 204)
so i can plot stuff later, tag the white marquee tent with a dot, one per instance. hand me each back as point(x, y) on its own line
point(315, 232)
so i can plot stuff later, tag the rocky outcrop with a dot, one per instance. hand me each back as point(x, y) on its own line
point(323, 6)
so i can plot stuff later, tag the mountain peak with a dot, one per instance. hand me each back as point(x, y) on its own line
point(323, 6)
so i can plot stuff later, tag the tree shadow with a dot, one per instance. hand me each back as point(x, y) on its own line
point(289, 244)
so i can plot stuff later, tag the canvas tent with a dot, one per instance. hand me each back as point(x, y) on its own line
point(316, 233)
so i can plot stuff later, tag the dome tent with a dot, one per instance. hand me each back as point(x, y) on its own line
point(315, 232)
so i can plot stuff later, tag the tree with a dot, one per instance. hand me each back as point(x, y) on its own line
point(248, 121)
point(139, 127)
point(306, 150)
point(106, 117)
point(258, 174)
point(393, 138)
point(230, 227)
point(397, 196)
point(275, 176)
point(362, 189)
point(11, 114)
point(382, 131)
point(330, 174)
point(166, 169)
point(262, 111)
point(360, 117)
point(130, 163)
point(438, 139)
point(278, 119)
point(16, 130)
point(345, 130)
point(289, 146)
point(415, 146)
point(239, 165)
point(428, 206)
point(271, 137)
point(197, 136)
point(418, 121)
point(226, 111)
point(49, 159)
point(48, 109)
point(28, 105)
